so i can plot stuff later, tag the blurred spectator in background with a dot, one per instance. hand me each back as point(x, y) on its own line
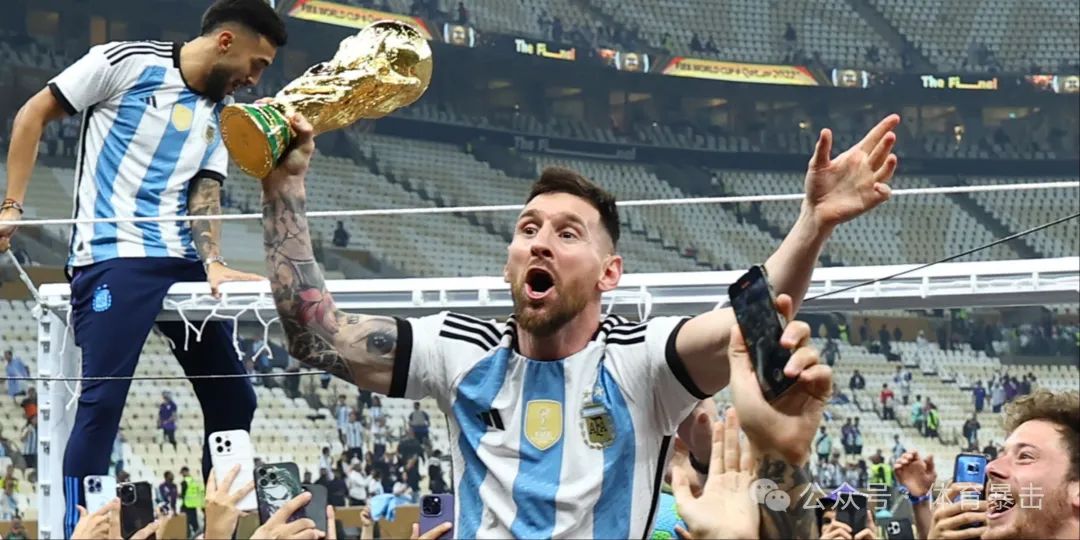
point(325, 461)
point(30, 442)
point(933, 419)
point(462, 13)
point(978, 396)
point(847, 437)
point(341, 413)
point(357, 484)
point(18, 530)
point(971, 430)
point(9, 507)
point(337, 490)
point(354, 437)
point(918, 415)
point(888, 401)
point(436, 482)
point(831, 351)
point(997, 396)
point(15, 368)
point(29, 403)
point(897, 448)
point(375, 411)
point(695, 43)
point(419, 423)
point(167, 418)
point(823, 445)
point(167, 493)
point(341, 236)
point(864, 332)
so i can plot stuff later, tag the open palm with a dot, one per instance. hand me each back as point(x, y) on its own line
point(838, 190)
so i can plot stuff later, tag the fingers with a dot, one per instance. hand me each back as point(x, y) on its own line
point(242, 492)
point(211, 483)
point(82, 511)
point(865, 534)
point(785, 306)
point(877, 133)
point(435, 533)
point(683, 533)
point(298, 527)
point(885, 173)
point(796, 334)
point(746, 455)
point(230, 477)
point(929, 463)
point(730, 439)
point(802, 358)
point(881, 151)
point(331, 523)
point(822, 151)
point(305, 133)
point(817, 381)
point(680, 486)
point(957, 523)
point(147, 531)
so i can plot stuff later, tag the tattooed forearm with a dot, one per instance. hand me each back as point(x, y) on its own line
point(205, 200)
point(357, 348)
point(798, 519)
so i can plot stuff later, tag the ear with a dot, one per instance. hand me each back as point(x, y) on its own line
point(225, 40)
point(612, 273)
point(1074, 496)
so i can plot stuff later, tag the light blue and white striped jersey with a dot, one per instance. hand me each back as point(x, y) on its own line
point(145, 136)
point(571, 448)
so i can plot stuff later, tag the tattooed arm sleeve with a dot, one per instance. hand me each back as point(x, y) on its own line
point(798, 519)
point(357, 348)
point(205, 200)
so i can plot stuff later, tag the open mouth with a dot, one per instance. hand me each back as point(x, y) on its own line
point(538, 283)
point(999, 504)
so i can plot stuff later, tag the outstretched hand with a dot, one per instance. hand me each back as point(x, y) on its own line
point(856, 181)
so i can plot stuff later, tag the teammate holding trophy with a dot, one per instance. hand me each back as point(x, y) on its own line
point(154, 117)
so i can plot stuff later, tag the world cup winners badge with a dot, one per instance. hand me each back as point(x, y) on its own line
point(597, 426)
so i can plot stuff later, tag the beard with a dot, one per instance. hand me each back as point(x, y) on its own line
point(217, 82)
point(1041, 519)
point(543, 321)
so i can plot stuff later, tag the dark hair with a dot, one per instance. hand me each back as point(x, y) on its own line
point(563, 180)
point(256, 15)
point(1061, 409)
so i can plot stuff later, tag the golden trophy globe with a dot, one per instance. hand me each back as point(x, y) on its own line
point(384, 67)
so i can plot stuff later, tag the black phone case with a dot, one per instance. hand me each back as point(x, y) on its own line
point(853, 513)
point(275, 485)
point(316, 508)
point(769, 370)
point(136, 514)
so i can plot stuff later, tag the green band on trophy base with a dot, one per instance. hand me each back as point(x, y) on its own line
point(256, 136)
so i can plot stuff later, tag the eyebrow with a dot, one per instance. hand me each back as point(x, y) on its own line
point(569, 216)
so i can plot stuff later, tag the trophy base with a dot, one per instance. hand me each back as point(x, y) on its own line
point(256, 136)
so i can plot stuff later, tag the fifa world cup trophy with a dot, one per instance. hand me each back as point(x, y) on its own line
point(382, 68)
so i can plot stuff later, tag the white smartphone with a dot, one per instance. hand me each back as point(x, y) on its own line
point(99, 491)
point(230, 448)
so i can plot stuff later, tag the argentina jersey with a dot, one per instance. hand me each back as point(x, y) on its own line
point(145, 136)
point(571, 448)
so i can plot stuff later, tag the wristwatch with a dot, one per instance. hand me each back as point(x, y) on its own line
point(212, 260)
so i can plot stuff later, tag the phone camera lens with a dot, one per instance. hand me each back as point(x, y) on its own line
point(228, 443)
point(220, 449)
point(273, 476)
point(262, 482)
point(217, 440)
point(127, 494)
point(432, 506)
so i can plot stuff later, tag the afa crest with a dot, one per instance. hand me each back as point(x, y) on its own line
point(208, 136)
point(543, 423)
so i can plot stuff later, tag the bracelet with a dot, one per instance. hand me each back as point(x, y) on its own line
point(918, 500)
point(698, 466)
point(11, 203)
point(212, 260)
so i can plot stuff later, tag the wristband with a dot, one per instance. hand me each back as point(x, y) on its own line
point(212, 260)
point(11, 203)
point(918, 500)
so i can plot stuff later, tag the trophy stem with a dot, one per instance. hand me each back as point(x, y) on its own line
point(256, 136)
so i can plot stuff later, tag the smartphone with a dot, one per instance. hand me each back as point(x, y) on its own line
point(435, 510)
point(899, 529)
point(755, 309)
point(231, 448)
point(136, 507)
point(316, 507)
point(99, 491)
point(275, 485)
point(853, 512)
point(970, 468)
